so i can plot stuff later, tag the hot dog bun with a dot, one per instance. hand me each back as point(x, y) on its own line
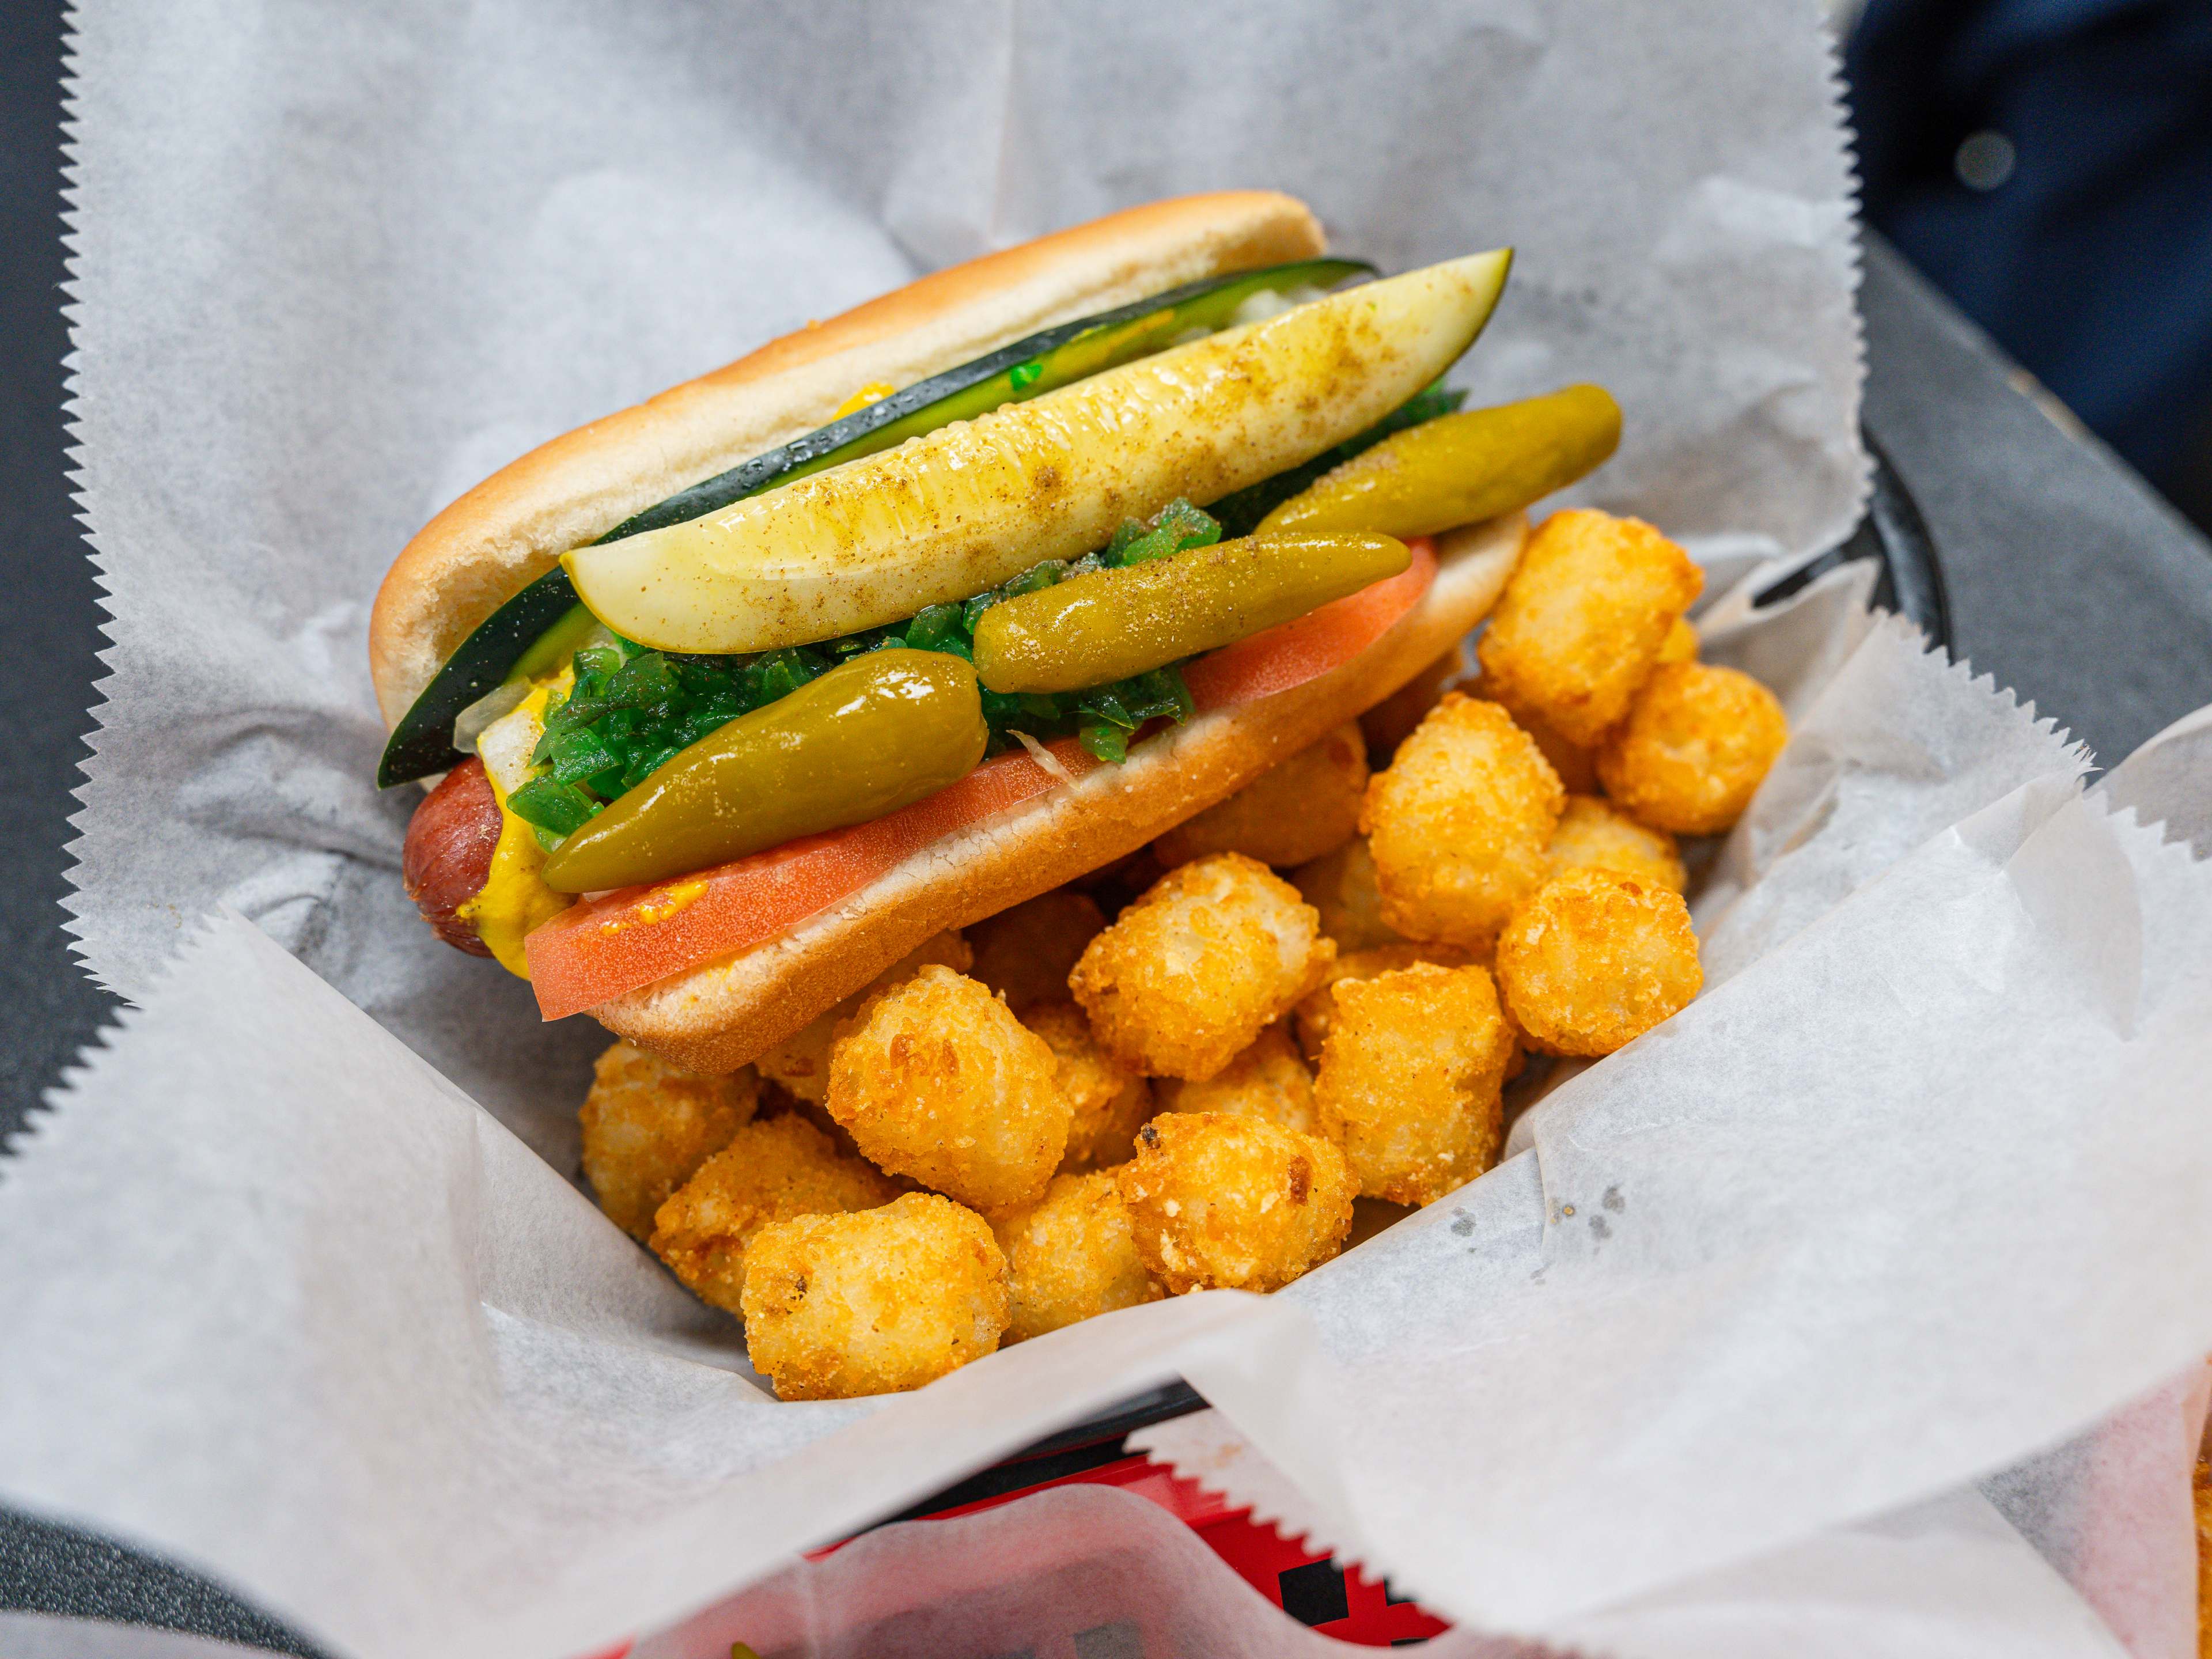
point(724, 1014)
point(512, 528)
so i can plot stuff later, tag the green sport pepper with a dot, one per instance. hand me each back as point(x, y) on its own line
point(1460, 468)
point(864, 740)
point(1110, 624)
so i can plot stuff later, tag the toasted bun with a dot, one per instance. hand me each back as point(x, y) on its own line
point(511, 529)
point(724, 1014)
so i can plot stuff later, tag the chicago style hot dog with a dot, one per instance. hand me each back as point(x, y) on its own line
point(742, 694)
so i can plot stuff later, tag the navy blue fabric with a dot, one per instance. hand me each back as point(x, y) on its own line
point(2092, 263)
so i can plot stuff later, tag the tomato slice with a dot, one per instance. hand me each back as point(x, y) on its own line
point(601, 948)
point(619, 941)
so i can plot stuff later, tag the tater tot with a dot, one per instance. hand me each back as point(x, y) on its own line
point(1580, 625)
point(1576, 765)
point(1392, 720)
point(1693, 750)
point(1410, 1080)
point(1025, 954)
point(1318, 1006)
point(1342, 890)
point(1595, 835)
point(874, 1302)
point(1458, 822)
point(1189, 974)
point(648, 1126)
point(1108, 1102)
point(1594, 959)
point(935, 1079)
point(1680, 644)
point(1070, 1256)
point(1268, 1080)
point(771, 1170)
point(1291, 813)
point(1219, 1202)
point(801, 1061)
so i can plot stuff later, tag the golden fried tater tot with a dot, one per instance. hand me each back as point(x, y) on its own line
point(801, 1061)
point(1109, 1103)
point(935, 1079)
point(1070, 1256)
point(1458, 822)
point(1580, 625)
point(1594, 959)
point(1025, 954)
point(1410, 1078)
point(1341, 889)
point(1595, 835)
point(1680, 644)
point(874, 1302)
point(1291, 813)
point(1392, 720)
point(1318, 1006)
point(648, 1125)
point(1220, 1202)
point(1576, 765)
point(1189, 974)
point(1268, 1080)
point(771, 1170)
point(1694, 748)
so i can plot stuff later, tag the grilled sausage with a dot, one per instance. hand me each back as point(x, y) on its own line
point(448, 855)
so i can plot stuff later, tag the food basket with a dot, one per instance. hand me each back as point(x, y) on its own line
point(1310, 1586)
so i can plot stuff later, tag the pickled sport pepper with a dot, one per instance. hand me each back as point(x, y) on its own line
point(868, 737)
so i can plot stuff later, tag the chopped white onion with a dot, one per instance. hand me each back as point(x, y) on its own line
point(1263, 303)
point(469, 725)
point(1044, 758)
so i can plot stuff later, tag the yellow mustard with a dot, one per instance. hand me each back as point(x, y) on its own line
point(874, 392)
point(514, 899)
point(659, 907)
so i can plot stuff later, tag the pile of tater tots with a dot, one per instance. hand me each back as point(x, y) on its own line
point(1213, 1064)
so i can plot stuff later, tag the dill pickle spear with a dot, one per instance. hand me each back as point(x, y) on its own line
point(867, 738)
point(960, 509)
point(1110, 624)
point(1460, 468)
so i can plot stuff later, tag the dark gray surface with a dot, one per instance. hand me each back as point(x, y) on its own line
point(2067, 578)
point(47, 1008)
point(2071, 579)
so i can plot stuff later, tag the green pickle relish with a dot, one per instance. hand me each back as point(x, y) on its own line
point(632, 710)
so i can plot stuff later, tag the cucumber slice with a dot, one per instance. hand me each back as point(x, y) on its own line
point(868, 544)
point(422, 741)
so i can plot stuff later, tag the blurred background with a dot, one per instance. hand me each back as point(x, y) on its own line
point(2048, 165)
